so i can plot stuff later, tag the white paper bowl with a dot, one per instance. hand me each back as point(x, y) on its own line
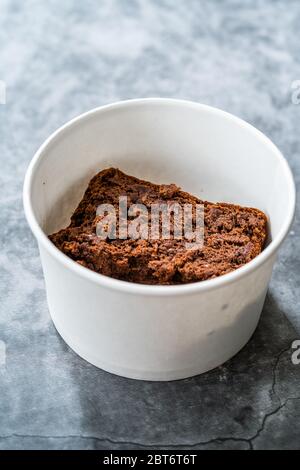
point(157, 332)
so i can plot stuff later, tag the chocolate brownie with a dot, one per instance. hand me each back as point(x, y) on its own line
point(233, 235)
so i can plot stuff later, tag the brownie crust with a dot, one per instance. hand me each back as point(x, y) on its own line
point(233, 235)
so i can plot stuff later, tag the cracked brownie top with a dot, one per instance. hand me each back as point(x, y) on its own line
point(233, 235)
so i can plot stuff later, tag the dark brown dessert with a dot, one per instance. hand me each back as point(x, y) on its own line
point(233, 235)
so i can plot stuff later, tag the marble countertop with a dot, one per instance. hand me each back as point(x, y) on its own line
point(59, 59)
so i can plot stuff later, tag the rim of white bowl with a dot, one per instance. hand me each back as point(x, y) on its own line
point(158, 290)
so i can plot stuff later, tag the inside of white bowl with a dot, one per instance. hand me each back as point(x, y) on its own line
point(205, 151)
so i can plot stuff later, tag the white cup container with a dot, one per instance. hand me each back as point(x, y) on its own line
point(157, 332)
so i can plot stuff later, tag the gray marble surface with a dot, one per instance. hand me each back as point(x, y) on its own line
point(59, 59)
